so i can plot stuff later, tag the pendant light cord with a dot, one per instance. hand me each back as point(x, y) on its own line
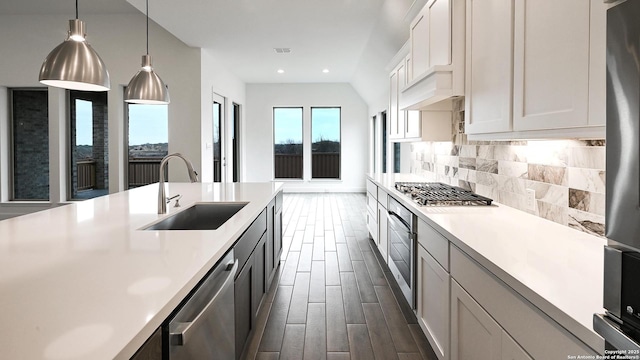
point(147, 27)
point(76, 9)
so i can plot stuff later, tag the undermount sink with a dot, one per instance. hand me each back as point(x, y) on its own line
point(201, 216)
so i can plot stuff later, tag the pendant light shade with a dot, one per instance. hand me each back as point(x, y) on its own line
point(146, 87)
point(74, 64)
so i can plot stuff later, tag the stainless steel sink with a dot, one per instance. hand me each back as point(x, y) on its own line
point(201, 216)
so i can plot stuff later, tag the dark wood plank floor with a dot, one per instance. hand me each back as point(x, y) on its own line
point(333, 299)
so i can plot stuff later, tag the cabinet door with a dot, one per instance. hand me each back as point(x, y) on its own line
point(489, 76)
point(383, 242)
point(551, 64)
point(396, 117)
point(244, 315)
point(413, 124)
point(270, 265)
point(430, 37)
point(433, 302)
point(259, 282)
point(372, 223)
point(278, 238)
point(511, 350)
point(474, 334)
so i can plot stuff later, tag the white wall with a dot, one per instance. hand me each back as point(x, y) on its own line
point(120, 41)
point(262, 98)
point(215, 78)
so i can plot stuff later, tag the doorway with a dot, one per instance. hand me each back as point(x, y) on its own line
point(235, 143)
point(218, 137)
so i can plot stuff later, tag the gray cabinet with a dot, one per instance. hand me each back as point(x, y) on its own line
point(274, 238)
point(258, 252)
point(250, 283)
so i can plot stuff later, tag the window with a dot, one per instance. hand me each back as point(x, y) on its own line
point(30, 135)
point(89, 163)
point(287, 143)
point(148, 142)
point(396, 157)
point(325, 143)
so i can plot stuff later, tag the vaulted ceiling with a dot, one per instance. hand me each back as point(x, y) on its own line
point(353, 39)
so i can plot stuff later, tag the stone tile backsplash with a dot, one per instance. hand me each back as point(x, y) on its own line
point(568, 176)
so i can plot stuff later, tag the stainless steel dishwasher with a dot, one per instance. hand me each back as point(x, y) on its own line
point(204, 327)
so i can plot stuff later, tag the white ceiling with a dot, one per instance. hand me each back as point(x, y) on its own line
point(344, 36)
point(43, 7)
point(322, 34)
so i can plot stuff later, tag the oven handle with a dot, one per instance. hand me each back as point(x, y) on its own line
point(403, 221)
point(610, 331)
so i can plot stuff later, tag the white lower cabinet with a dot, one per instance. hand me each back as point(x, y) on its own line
point(433, 302)
point(474, 334)
point(372, 224)
point(480, 302)
point(383, 243)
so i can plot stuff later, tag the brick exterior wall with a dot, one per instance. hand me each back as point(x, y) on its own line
point(30, 115)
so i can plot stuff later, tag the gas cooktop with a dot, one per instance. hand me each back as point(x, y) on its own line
point(439, 194)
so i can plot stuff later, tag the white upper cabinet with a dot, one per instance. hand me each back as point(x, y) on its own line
point(436, 69)
point(488, 67)
point(535, 68)
point(397, 117)
point(415, 125)
point(551, 64)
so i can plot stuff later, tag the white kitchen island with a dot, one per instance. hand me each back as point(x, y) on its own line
point(84, 281)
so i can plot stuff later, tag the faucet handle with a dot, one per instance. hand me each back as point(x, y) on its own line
point(177, 197)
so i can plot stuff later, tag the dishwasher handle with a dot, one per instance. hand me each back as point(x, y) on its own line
point(179, 332)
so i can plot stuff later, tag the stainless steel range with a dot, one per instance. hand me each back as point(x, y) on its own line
point(402, 230)
point(439, 194)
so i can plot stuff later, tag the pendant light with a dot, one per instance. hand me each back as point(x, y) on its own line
point(146, 87)
point(74, 64)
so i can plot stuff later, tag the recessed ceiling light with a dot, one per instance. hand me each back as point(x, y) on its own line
point(325, 71)
point(280, 71)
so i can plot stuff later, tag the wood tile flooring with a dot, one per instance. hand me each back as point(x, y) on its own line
point(333, 299)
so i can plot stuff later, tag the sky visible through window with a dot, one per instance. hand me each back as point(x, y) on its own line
point(288, 125)
point(326, 124)
point(148, 124)
point(84, 122)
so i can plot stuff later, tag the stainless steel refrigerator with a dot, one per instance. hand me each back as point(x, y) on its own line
point(620, 325)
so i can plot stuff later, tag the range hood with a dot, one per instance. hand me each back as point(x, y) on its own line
point(441, 82)
point(436, 64)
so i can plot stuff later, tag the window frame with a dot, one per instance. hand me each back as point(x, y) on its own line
point(339, 142)
point(273, 142)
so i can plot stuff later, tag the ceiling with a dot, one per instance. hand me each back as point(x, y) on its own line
point(342, 36)
point(322, 34)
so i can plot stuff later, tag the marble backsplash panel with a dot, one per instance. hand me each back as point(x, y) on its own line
point(568, 176)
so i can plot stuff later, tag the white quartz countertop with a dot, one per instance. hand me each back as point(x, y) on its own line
point(556, 268)
point(83, 281)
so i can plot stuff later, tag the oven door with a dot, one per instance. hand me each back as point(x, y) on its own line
point(402, 249)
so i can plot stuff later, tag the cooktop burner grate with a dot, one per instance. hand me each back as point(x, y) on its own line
point(439, 194)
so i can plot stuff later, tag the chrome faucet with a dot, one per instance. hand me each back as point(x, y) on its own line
point(162, 197)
